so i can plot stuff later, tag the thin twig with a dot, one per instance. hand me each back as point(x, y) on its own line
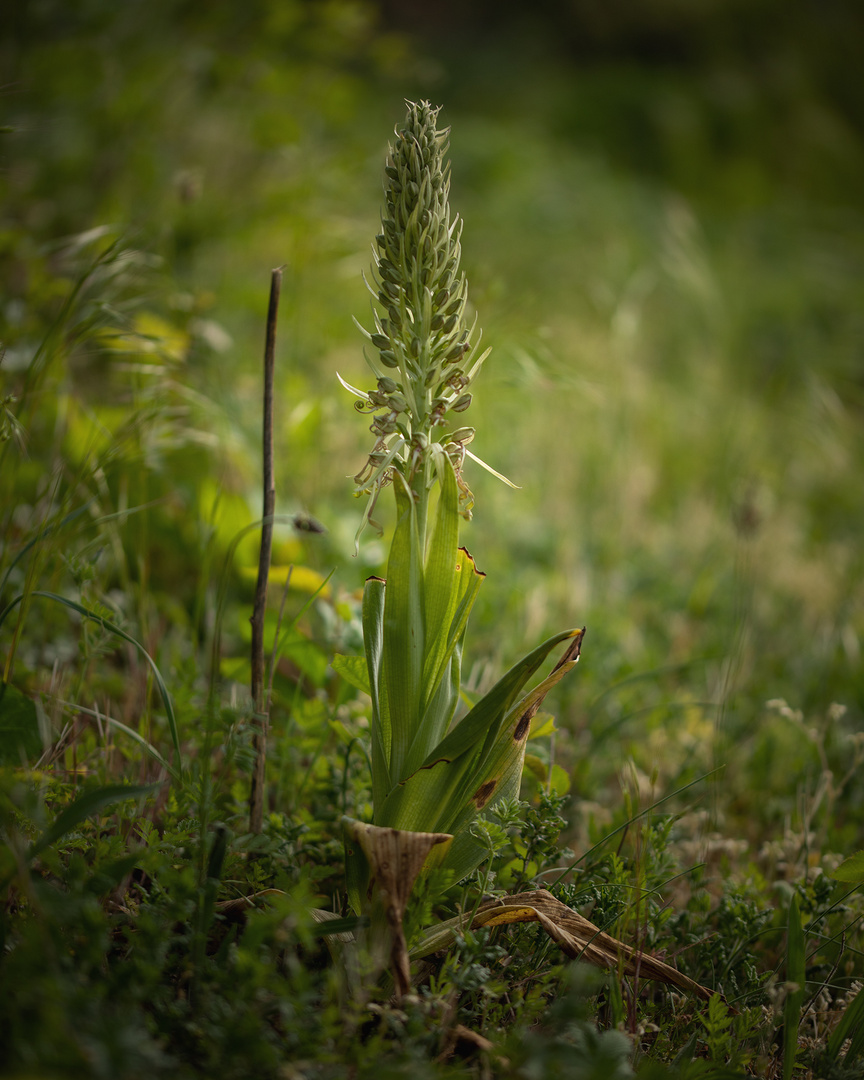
point(259, 738)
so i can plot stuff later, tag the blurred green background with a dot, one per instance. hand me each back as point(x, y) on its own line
point(664, 240)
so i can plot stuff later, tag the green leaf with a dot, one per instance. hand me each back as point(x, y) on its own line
point(403, 631)
point(795, 977)
point(559, 783)
point(496, 773)
point(91, 802)
point(481, 720)
point(851, 870)
point(354, 670)
point(542, 725)
point(20, 740)
point(453, 773)
point(374, 596)
point(441, 558)
point(442, 668)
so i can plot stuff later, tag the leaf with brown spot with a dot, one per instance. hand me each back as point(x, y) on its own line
point(477, 750)
point(502, 760)
point(523, 727)
point(484, 793)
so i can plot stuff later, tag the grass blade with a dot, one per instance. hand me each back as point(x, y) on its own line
point(795, 978)
point(106, 624)
point(630, 821)
point(134, 735)
point(851, 1026)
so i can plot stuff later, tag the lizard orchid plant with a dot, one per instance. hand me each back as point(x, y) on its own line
point(433, 771)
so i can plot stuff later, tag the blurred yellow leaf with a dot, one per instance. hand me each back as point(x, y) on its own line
point(303, 578)
point(160, 337)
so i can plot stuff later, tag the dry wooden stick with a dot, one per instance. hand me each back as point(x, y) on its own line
point(261, 720)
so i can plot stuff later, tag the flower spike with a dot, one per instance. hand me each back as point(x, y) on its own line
point(425, 358)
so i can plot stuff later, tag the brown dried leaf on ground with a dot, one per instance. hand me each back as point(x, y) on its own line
point(576, 936)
